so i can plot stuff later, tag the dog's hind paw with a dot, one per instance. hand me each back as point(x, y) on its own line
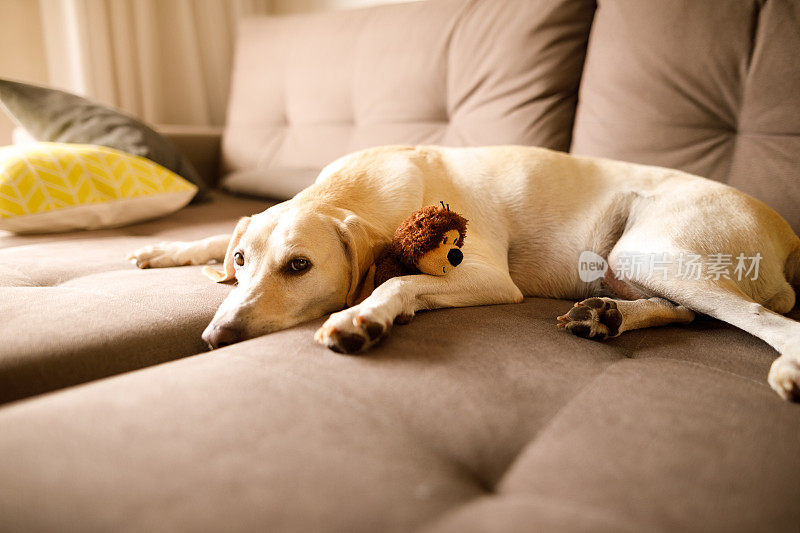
point(784, 377)
point(594, 318)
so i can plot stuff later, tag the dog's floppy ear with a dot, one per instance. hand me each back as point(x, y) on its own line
point(229, 271)
point(360, 240)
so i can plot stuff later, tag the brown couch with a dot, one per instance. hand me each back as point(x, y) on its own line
point(477, 419)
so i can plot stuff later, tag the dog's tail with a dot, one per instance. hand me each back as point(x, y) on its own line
point(792, 268)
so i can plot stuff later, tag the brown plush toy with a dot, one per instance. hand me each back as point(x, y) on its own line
point(428, 242)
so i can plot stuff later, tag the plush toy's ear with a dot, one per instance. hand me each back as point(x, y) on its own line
point(360, 241)
point(229, 271)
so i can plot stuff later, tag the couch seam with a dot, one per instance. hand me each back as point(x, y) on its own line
point(587, 43)
point(33, 282)
point(395, 425)
point(549, 422)
point(751, 381)
point(523, 496)
point(756, 22)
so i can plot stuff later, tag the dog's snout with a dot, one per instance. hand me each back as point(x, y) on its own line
point(455, 256)
point(217, 337)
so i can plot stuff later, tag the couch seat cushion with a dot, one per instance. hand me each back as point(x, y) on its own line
point(502, 421)
point(75, 310)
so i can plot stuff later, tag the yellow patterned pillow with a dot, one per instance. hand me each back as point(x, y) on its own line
point(47, 187)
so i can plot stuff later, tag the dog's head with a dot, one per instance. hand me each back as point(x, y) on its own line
point(291, 265)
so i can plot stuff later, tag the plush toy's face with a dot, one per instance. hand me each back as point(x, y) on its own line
point(442, 259)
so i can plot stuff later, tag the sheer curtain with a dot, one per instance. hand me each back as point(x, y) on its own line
point(165, 61)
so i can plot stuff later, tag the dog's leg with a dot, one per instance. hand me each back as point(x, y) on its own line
point(725, 301)
point(178, 253)
point(361, 326)
point(602, 318)
point(731, 305)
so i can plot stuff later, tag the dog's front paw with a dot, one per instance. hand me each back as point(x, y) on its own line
point(162, 254)
point(352, 331)
point(784, 377)
point(594, 318)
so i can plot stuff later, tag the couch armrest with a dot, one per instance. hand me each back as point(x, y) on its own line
point(200, 144)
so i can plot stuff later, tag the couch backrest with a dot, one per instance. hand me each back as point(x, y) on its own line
point(711, 87)
point(308, 89)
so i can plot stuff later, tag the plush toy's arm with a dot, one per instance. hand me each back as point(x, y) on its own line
point(388, 266)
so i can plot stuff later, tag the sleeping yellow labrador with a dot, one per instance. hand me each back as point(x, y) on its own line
point(641, 246)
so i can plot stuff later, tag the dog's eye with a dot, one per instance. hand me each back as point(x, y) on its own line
point(238, 257)
point(444, 241)
point(298, 265)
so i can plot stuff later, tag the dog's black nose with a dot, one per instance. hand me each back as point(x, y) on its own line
point(455, 257)
point(217, 337)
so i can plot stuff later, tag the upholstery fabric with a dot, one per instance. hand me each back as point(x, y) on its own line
point(466, 420)
point(103, 315)
point(308, 89)
point(503, 423)
point(200, 145)
point(709, 87)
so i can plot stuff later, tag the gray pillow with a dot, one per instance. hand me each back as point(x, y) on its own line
point(50, 115)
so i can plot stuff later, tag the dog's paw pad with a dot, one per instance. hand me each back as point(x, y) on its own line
point(346, 342)
point(350, 332)
point(784, 377)
point(374, 330)
point(402, 320)
point(340, 341)
point(593, 318)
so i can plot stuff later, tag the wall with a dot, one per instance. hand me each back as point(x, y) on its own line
point(22, 55)
point(297, 6)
